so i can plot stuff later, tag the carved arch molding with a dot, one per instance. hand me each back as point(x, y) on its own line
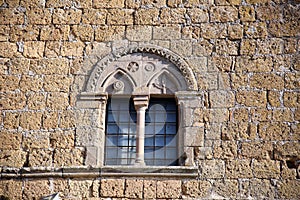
point(134, 69)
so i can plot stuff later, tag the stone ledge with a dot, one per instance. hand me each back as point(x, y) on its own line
point(103, 172)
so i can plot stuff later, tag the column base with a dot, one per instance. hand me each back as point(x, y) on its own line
point(139, 163)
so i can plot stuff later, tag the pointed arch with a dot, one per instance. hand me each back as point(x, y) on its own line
point(95, 77)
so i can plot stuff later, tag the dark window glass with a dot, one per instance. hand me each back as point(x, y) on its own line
point(160, 132)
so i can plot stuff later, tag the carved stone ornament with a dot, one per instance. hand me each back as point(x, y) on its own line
point(96, 84)
point(118, 86)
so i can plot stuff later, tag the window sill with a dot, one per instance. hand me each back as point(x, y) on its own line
point(103, 172)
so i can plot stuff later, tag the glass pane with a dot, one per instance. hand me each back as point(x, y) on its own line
point(159, 162)
point(111, 153)
point(149, 130)
point(171, 106)
point(112, 129)
point(111, 162)
point(132, 141)
point(171, 117)
point(123, 128)
point(160, 128)
point(111, 140)
point(160, 117)
point(171, 153)
point(123, 141)
point(171, 128)
point(124, 117)
point(159, 153)
point(149, 141)
point(149, 153)
point(171, 141)
point(110, 117)
point(159, 140)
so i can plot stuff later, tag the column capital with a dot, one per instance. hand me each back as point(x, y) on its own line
point(141, 101)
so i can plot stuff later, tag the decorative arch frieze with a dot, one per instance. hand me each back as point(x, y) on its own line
point(101, 71)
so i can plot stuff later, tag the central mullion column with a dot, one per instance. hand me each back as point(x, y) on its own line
point(140, 104)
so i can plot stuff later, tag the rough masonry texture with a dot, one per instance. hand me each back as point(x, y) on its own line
point(242, 132)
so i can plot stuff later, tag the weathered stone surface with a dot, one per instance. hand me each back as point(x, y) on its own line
point(134, 189)
point(39, 16)
point(212, 169)
point(57, 101)
point(67, 16)
point(168, 189)
point(255, 29)
point(139, 33)
point(221, 99)
point(223, 14)
point(62, 139)
point(212, 31)
point(27, 33)
point(226, 150)
point(54, 33)
point(196, 189)
point(11, 189)
point(31, 120)
point(203, 153)
point(68, 157)
point(57, 83)
point(83, 32)
point(149, 189)
point(120, 17)
point(238, 169)
point(202, 48)
point(224, 47)
point(274, 98)
point(288, 189)
point(148, 16)
point(11, 120)
point(112, 187)
point(9, 83)
point(291, 99)
point(194, 136)
point(191, 32)
point(50, 120)
point(36, 189)
point(84, 188)
point(11, 16)
point(274, 131)
point(109, 33)
point(266, 168)
point(12, 158)
point(166, 32)
point(228, 2)
point(235, 31)
point(261, 188)
point(108, 3)
point(36, 101)
point(50, 66)
point(252, 98)
point(12, 101)
point(94, 16)
point(72, 49)
point(10, 140)
point(8, 50)
point(198, 15)
point(247, 13)
point(40, 158)
point(226, 188)
point(36, 140)
point(182, 47)
point(257, 150)
point(34, 49)
point(287, 151)
point(170, 16)
point(267, 81)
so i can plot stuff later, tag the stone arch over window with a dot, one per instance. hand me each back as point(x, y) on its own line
point(139, 73)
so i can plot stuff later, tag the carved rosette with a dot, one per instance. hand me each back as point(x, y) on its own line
point(167, 54)
point(118, 86)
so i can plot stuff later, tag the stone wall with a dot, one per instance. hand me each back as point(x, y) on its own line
point(244, 54)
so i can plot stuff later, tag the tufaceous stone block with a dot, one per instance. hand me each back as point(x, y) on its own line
point(10, 140)
point(13, 158)
point(168, 189)
point(112, 187)
point(223, 14)
point(212, 169)
point(134, 188)
point(68, 157)
point(266, 168)
point(238, 169)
